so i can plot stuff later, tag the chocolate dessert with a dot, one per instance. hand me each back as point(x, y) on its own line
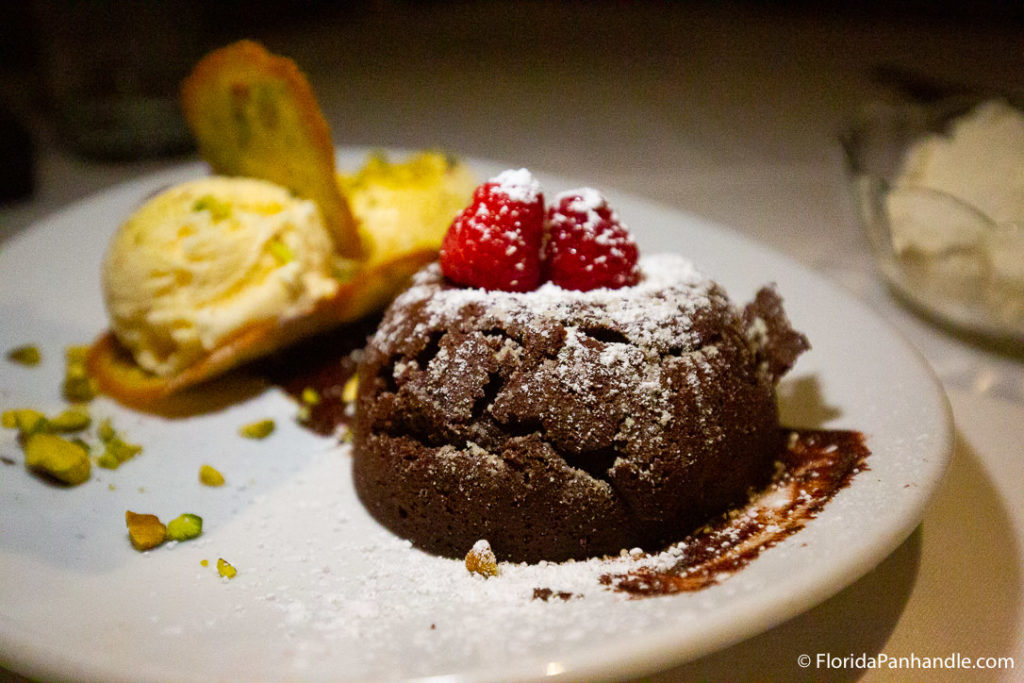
point(563, 424)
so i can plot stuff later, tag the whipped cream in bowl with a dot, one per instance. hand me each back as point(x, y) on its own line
point(940, 190)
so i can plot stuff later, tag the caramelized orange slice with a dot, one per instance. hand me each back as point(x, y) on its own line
point(254, 114)
point(118, 376)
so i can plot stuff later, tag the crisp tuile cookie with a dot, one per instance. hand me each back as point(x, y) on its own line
point(253, 113)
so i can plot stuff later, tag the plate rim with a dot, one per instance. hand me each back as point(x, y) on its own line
point(661, 649)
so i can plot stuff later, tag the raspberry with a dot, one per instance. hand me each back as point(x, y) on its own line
point(495, 242)
point(587, 247)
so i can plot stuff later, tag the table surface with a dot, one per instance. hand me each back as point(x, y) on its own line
point(728, 111)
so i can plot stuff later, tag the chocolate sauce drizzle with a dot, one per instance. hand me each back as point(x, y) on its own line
point(324, 364)
point(814, 465)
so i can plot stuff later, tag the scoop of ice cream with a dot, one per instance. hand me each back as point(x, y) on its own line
point(958, 207)
point(202, 261)
point(980, 162)
point(954, 189)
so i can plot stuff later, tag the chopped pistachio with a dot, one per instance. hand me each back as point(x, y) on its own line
point(78, 386)
point(81, 442)
point(145, 531)
point(105, 431)
point(307, 399)
point(209, 476)
point(225, 569)
point(184, 527)
point(25, 420)
point(218, 209)
point(57, 457)
point(281, 251)
point(116, 451)
point(348, 393)
point(310, 396)
point(74, 419)
point(28, 421)
point(107, 461)
point(257, 430)
point(25, 355)
point(123, 450)
point(481, 560)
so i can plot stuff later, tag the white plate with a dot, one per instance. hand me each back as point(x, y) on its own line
point(322, 591)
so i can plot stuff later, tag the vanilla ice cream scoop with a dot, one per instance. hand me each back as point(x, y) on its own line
point(956, 218)
point(980, 161)
point(200, 263)
point(964, 192)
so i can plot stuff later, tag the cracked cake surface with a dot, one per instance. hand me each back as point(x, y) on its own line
point(561, 424)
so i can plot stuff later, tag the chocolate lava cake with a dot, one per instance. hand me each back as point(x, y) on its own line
point(559, 424)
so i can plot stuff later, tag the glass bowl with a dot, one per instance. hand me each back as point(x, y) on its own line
point(944, 256)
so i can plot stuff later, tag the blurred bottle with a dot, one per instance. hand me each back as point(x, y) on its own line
point(112, 70)
point(17, 172)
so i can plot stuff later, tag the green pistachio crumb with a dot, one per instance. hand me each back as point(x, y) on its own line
point(225, 569)
point(280, 251)
point(105, 430)
point(218, 210)
point(25, 420)
point(25, 355)
point(108, 461)
point(117, 451)
point(78, 387)
point(57, 457)
point(210, 476)
point(257, 430)
point(74, 419)
point(144, 530)
point(185, 527)
point(350, 391)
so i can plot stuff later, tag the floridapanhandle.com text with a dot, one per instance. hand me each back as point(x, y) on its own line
point(955, 661)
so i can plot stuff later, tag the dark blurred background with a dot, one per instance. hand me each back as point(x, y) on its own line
point(99, 79)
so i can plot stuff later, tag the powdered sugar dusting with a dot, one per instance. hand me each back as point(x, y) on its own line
point(654, 315)
point(584, 199)
point(344, 589)
point(609, 410)
point(587, 202)
point(643, 334)
point(518, 184)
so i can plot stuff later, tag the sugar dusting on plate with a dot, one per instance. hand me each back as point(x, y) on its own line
point(375, 597)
